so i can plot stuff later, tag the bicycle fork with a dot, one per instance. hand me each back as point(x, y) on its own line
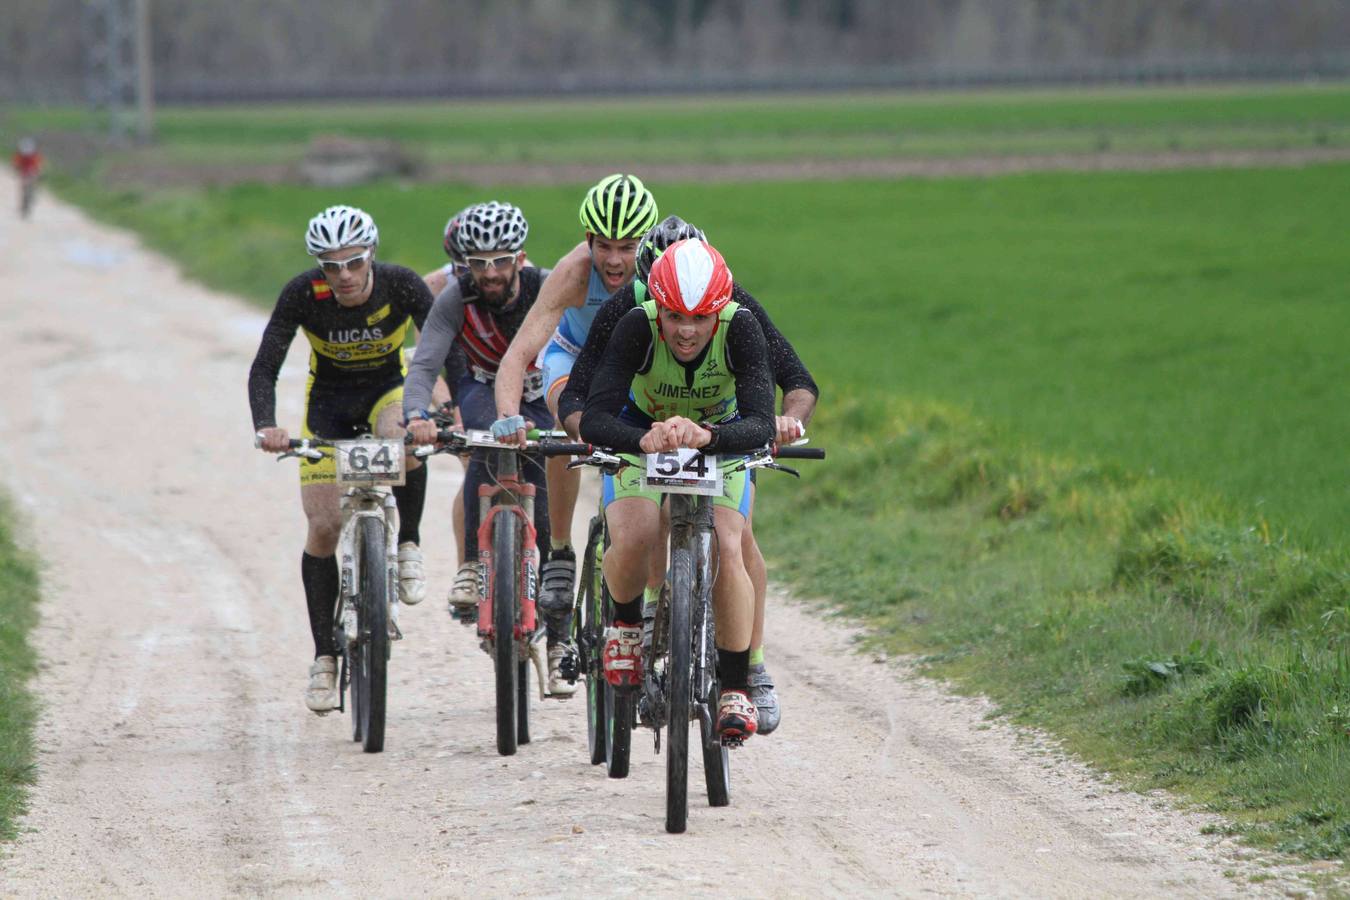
point(528, 572)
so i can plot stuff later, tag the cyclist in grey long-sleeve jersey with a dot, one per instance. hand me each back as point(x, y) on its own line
point(479, 313)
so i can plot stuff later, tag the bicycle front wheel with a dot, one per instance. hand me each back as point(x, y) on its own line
point(679, 669)
point(591, 640)
point(372, 648)
point(505, 583)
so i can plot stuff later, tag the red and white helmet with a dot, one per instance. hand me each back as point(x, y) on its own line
point(691, 278)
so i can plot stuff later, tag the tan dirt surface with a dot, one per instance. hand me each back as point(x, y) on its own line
point(177, 758)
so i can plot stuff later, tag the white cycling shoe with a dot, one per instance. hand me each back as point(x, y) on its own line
point(463, 598)
point(558, 686)
point(321, 695)
point(412, 584)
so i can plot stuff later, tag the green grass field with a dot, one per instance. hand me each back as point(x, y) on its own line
point(1189, 324)
point(1087, 431)
point(18, 711)
point(757, 128)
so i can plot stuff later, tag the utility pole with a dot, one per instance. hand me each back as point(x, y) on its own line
point(118, 79)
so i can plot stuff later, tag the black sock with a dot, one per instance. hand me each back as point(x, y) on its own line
point(628, 614)
point(320, 575)
point(733, 667)
point(411, 495)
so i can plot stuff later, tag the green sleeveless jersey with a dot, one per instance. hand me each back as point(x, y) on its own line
point(663, 391)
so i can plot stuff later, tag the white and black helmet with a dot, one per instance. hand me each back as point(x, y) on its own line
point(491, 226)
point(340, 226)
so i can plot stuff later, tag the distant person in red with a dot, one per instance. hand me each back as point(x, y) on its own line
point(28, 163)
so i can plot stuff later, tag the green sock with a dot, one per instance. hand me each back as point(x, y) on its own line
point(651, 595)
point(555, 544)
point(757, 656)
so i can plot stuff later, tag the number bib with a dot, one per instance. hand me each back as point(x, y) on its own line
point(532, 386)
point(682, 471)
point(369, 461)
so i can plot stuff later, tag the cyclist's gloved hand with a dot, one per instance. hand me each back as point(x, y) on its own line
point(510, 429)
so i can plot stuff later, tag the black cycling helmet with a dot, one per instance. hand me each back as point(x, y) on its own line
point(659, 237)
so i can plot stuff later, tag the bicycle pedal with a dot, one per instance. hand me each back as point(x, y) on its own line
point(732, 741)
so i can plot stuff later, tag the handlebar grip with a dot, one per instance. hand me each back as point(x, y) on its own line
point(552, 449)
point(800, 453)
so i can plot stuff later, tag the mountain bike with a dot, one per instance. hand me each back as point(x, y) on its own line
point(508, 560)
point(366, 619)
point(679, 652)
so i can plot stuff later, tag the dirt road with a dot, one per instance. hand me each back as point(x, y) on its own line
point(177, 758)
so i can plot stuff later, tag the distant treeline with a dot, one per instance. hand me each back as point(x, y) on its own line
point(280, 47)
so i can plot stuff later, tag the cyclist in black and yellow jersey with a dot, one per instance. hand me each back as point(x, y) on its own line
point(355, 313)
point(799, 402)
point(688, 368)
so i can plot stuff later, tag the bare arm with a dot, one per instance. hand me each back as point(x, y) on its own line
point(564, 287)
point(798, 405)
point(436, 280)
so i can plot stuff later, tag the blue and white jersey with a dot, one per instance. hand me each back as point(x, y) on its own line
point(576, 320)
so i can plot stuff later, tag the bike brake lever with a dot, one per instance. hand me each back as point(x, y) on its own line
point(793, 472)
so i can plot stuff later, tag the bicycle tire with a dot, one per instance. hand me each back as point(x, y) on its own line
point(716, 758)
point(505, 575)
point(523, 702)
point(679, 671)
point(620, 703)
point(349, 662)
point(373, 647)
point(619, 707)
point(591, 637)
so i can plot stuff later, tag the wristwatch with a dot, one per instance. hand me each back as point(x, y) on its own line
point(716, 432)
point(416, 414)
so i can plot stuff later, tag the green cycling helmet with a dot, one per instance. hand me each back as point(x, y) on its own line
point(618, 207)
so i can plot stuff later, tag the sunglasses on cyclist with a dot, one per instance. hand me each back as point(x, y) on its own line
point(483, 263)
point(353, 263)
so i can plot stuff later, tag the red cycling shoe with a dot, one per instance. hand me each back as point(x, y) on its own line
point(623, 655)
point(736, 718)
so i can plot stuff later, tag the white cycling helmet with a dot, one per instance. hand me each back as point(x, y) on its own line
point(491, 226)
point(340, 226)
point(27, 145)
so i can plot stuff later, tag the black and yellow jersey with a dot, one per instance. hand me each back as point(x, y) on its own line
point(350, 347)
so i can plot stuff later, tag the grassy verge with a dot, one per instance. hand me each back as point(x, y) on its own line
point(720, 128)
point(1164, 635)
point(18, 662)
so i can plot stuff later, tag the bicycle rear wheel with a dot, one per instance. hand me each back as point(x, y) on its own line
point(505, 579)
point(372, 649)
point(679, 668)
point(523, 702)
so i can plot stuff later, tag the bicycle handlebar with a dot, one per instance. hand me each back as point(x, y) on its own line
point(791, 452)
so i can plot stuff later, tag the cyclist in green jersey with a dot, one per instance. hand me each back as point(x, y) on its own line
point(688, 368)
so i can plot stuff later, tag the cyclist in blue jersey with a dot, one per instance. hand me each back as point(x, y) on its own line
point(615, 213)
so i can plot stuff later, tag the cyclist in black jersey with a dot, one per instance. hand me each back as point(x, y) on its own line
point(355, 313)
point(478, 315)
point(799, 399)
point(686, 369)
